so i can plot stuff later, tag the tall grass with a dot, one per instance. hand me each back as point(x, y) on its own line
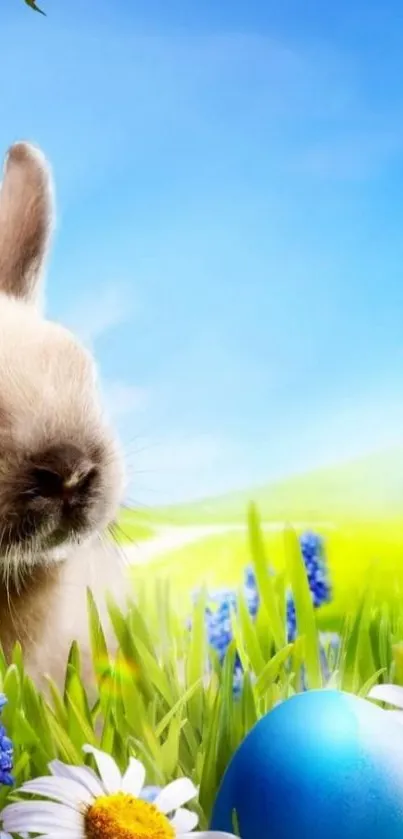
point(167, 699)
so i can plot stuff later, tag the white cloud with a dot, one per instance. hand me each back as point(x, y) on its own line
point(177, 455)
point(180, 469)
point(356, 425)
point(96, 314)
point(176, 468)
point(122, 399)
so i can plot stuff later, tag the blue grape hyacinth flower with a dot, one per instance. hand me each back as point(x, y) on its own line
point(222, 603)
point(6, 751)
point(317, 575)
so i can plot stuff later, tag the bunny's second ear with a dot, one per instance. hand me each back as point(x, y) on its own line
point(26, 220)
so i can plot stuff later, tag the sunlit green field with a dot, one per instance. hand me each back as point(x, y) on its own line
point(357, 557)
point(132, 528)
point(358, 508)
point(367, 488)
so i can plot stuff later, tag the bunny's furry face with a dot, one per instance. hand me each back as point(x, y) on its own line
point(60, 474)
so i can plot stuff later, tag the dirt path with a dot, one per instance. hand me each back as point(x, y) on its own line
point(168, 539)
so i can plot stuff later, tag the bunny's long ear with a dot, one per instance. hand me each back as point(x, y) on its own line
point(26, 221)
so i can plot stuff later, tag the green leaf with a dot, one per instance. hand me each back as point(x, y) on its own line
point(271, 670)
point(66, 750)
point(17, 657)
point(397, 652)
point(358, 662)
point(76, 695)
point(154, 672)
point(373, 680)
point(129, 658)
point(209, 780)
point(304, 608)
point(196, 662)
point(99, 649)
point(58, 704)
point(263, 578)
point(35, 710)
point(249, 636)
point(170, 748)
point(235, 823)
point(12, 689)
point(250, 713)
point(32, 5)
point(139, 628)
point(176, 709)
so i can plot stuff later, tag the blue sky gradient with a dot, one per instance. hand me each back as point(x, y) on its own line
point(230, 239)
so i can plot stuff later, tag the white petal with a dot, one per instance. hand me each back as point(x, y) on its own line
point(41, 817)
point(65, 790)
point(134, 777)
point(81, 774)
point(184, 820)
point(58, 834)
point(175, 794)
point(107, 768)
point(391, 694)
point(207, 834)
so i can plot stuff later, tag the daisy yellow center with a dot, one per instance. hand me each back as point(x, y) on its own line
point(122, 816)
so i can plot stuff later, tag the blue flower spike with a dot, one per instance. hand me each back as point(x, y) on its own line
point(222, 603)
point(6, 752)
point(316, 571)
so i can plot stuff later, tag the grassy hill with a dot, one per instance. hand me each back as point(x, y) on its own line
point(367, 488)
point(362, 499)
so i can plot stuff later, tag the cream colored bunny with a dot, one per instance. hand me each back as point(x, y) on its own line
point(60, 469)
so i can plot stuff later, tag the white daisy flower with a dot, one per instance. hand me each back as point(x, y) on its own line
point(80, 805)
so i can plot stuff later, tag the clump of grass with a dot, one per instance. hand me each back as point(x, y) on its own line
point(168, 699)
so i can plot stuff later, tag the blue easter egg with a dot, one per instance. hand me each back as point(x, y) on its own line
point(322, 765)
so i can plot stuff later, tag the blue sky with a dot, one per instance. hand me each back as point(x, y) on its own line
point(230, 241)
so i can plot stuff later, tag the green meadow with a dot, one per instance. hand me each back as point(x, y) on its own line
point(356, 507)
point(367, 488)
point(156, 697)
point(165, 697)
point(132, 528)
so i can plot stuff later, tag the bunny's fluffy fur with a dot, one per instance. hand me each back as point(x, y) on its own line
point(48, 395)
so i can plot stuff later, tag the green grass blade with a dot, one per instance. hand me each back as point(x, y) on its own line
point(271, 670)
point(305, 613)
point(196, 663)
point(263, 577)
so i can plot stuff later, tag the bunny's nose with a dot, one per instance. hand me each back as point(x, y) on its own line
point(63, 473)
